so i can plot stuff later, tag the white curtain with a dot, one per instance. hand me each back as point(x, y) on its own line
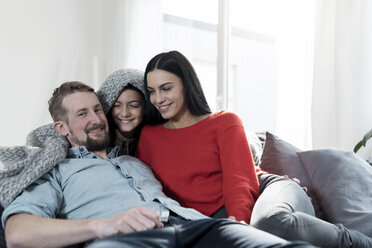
point(294, 24)
point(342, 90)
point(46, 42)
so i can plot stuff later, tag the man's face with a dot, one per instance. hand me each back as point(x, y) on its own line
point(86, 123)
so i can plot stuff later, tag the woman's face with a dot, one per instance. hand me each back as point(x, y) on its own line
point(167, 94)
point(127, 112)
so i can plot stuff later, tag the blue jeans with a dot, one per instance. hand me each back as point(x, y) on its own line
point(198, 233)
point(284, 209)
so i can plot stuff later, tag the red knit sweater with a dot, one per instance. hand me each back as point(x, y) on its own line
point(204, 166)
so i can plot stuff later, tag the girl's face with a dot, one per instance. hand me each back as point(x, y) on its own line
point(167, 94)
point(127, 112)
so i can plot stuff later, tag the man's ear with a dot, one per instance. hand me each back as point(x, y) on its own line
point(60, 127)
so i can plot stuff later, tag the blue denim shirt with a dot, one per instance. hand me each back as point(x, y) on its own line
point(85, 186)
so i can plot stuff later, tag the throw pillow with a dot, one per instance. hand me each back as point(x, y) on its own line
point(279, 157)
point(343, 185)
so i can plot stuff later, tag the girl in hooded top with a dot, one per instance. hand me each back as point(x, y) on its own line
point(123, 100)
point(204, 161)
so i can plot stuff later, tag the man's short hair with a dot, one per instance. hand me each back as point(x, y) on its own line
point(56, 110)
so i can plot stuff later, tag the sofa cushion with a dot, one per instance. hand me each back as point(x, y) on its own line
point(279, 157)
point(342, 183)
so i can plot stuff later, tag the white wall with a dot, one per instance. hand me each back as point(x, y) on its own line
point(46, 42)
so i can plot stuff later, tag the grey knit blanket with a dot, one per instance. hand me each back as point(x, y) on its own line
point(22, 165)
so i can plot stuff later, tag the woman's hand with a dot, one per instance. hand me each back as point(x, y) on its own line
point(296, 180)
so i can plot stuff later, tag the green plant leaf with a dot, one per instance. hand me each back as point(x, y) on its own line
point(358, 146)
point(367, 137)
point(363, 142)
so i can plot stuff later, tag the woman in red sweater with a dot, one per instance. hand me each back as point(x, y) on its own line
point(204, 161)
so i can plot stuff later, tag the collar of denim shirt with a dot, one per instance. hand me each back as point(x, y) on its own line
point(82, 152)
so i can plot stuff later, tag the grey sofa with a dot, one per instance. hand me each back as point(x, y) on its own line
point(338, 181)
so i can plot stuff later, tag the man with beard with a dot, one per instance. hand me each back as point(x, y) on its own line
point(97, 198)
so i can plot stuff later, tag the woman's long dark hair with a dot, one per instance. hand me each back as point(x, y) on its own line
point(176, 63)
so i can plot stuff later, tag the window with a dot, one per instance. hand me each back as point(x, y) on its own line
point(270, 59)
point(193, 32)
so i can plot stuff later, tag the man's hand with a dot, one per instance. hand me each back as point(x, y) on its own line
point(133, 220)
point(26, 230)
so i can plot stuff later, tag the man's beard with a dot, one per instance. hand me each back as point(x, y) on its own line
point(94, 144)
point(97, 145)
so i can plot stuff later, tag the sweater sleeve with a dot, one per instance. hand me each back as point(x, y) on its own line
point(240, 183)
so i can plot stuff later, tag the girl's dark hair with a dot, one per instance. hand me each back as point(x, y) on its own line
point(113, 127)
point(176, 63)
